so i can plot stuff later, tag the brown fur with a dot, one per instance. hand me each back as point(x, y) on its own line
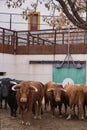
point(27, 97)
point(84, 87)
point(55, 95)
point(76, 98)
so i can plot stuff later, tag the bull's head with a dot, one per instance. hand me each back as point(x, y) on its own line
point(56, 93)
point(5, 86)
point(24, 91)
point(3, 89)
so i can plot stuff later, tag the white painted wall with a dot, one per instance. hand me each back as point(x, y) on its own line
point(18, 67)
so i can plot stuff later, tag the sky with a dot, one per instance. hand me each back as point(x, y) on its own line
point(17, 22)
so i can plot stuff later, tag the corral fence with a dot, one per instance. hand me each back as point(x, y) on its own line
point(47, 41)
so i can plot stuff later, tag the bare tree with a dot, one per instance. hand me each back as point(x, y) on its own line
point(62, 12)
point(74, 9)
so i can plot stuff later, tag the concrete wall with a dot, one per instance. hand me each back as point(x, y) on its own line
point(18, 67)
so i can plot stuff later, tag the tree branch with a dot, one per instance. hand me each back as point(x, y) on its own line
point(70, 16)
point(75, 13)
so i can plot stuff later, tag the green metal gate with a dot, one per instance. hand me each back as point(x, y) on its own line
point(76, 72)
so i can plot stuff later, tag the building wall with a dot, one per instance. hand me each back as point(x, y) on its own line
point(18, 67)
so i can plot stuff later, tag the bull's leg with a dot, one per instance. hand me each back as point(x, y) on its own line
point(65, 108)
point(69, 116)
point(1, 100)
point(60, 108)
point(84, 109)
point(53, 110)
point(5, 106)
point(27, 122)
point(13, 110)
point(70, 111)
point(39, 109)
point(13, 114)
point(47, 105)
point(22, 117)
point(1, 104)
point(81, 112)
point(74, 109)
point(26, 114)
point(35, 108)
point(29, 109)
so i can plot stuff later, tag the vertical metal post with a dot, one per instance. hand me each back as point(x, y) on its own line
point(54, 44)
point(68, 39)
point(10, 21)
point(68, 55)
point(86, 24)
point(3, 40)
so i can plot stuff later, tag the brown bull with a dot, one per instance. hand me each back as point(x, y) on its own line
point(29, 94)
point(55, 94)
point(84, 87)
point(76, 98)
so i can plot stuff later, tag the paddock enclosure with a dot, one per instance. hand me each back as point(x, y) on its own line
point(43, 55)
point(43, 41)
point(31, 55)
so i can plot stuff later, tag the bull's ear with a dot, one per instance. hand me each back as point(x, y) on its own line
point(33, 87)
point(16, 87)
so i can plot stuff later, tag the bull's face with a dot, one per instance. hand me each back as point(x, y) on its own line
point(24, 93)
point(57, 95)
point(5, 85)
point(4, 90)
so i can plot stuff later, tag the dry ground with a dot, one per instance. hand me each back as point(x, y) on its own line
point(46, 123)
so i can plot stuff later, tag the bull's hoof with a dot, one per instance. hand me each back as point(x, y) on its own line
point(53, 116)
point(82, 118)
point(35, 117)
point(22, 122)
point(13, 114)
point(60, 116)
point(12, 117)
point(27, 123)
point(69, 117)
point(39, 117)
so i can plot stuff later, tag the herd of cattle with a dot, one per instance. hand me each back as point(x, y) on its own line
point(28, 96)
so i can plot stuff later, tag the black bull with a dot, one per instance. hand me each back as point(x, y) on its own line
point(8, 95)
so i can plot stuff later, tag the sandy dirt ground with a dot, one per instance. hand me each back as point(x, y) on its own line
point(46, 123)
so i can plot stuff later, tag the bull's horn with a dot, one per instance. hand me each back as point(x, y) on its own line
point(15, 87)
point(62, 89)
point(31, 86)
point(50, 89)
point(12, 82)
